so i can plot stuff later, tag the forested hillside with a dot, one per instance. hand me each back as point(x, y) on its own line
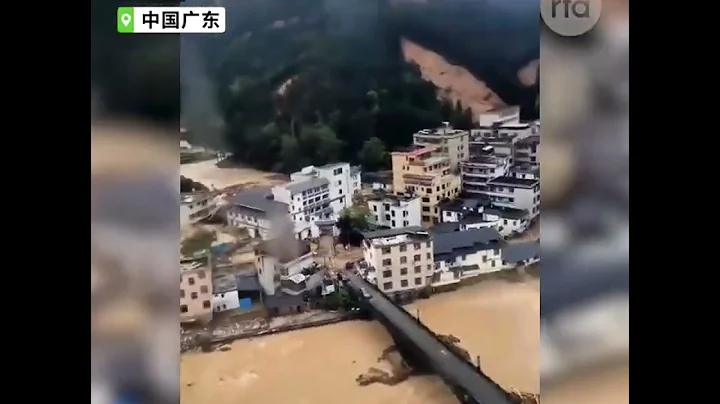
point(296, 82)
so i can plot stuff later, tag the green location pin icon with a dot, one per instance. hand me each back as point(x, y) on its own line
point(125, 20)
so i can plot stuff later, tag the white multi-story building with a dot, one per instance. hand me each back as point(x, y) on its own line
point(355, 179)
point(452, 143)
point(465, 254)
point(482, 168)
point(280, 259)
point(395, 211)
point(527, 150)
point(401, 259)
point(256, 210)
point(339, 178)
point(195, 207)
point(474, 214)
point(511, 192)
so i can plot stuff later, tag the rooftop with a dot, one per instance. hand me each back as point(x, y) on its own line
point(525, 169)
point(533, 140)
point(259, 199)
point(285, 250)
point(414, 151)
point(445, 227)
point(297, 187)
point(381, 196)
point(223, 283)
point(473, 218)
point(388, 237)
point(514, 182)
point(507, 213)
point(462, 242)
point(191, 197)
point(462, 205)
point(442, 131)
point(517, 252)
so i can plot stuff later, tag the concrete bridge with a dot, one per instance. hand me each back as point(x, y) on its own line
point(423, 350)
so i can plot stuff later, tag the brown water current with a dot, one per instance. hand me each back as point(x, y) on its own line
point(497, 320)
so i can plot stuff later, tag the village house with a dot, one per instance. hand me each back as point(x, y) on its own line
point(280, 259)
point(256, 210)
point(225, 292)
point(424, 172)
point(196, 288)
point(378, 181)
point(394, 211)
point(452, 143)
point(521, 254)
point(196, 206)
point(527, 150)
point(355, 179)
point(401, 259)
point(465, 254)
point(480, 213)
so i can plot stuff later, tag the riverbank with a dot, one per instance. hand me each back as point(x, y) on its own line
point(193, 341)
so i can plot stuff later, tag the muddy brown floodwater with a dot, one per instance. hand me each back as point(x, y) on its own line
point(498, 321)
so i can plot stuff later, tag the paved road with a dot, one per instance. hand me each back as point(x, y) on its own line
point(451, 367)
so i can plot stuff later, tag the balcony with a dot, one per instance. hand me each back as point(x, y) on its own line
point(478, 182)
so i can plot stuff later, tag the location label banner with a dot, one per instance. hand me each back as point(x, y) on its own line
point(171, 20)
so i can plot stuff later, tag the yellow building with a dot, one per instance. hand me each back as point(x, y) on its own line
point(421, 170)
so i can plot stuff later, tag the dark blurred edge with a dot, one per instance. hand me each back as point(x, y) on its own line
point(134, 76)
point(137, 78)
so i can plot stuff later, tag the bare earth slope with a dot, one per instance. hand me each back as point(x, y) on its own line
point(454, 82)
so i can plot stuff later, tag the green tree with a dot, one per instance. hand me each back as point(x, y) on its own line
point(290, 156)
point(319, 143)
point(373, 155)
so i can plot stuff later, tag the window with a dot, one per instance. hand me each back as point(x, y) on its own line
point(193, 295)
point(429, 267)
point(496, 251)
point(403, 248)
point(201, 275)
point(426, 200)
point(484, 258)
point(339, 182)
point(191, 281)
point(418, 268)
point(203, 289)
point(206, 304)
point(183, 308)
point(418, 281)
point(416, 257)
point(425, 209)
point(403, 271)
point(337, 171)
point(505, 221)
point(403, 260)
point(387, 262)
point(387, 285)
point(416, 246)
point(404, 283)
point(375, 208)
point(427, 255)
point(428, 244)
point(386, 250)
point(392, 223)
point(387, 274)
point(492, 263)
point(182, 293)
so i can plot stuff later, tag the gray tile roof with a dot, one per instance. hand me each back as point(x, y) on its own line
point(248, 284)
point(517, 252)
point(450, 245)
point(508, 213)
point(304, 185)
point(445, 227)
point(259, 199)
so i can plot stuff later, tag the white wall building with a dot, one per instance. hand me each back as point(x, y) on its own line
point(465, 254)
point(195, 207)
point(401, 259)
point(256, 210)
point(481, 168)
point(511, 192)
point(453, 143)
point(527, 151)
point(473, 214)
point(518, 254)
point(395, 211)
point(355, 179)
point(281, 259)
point(339, 177)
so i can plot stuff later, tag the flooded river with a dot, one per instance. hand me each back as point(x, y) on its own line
point(498, 321)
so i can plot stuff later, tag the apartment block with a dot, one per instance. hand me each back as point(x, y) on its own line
point(527, 150)
point(402, 259)
point(395, 211)
point(452, 143)
point(196, 289)
point(195, 207)
point(280, 260)
point(423, 171)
